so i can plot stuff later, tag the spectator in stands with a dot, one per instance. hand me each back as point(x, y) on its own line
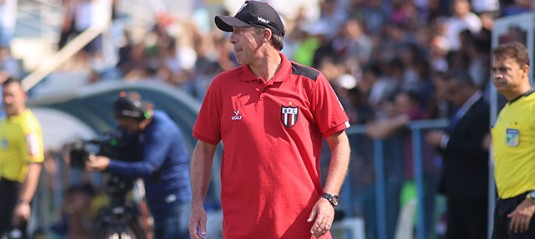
point(404, 109)
point(67, 26)
point(517, 7)
point(464, 179)
point(462, 19)
point(358, 110)
point(77, 218)
point(332, 16)
point(8, 64)
point(87, 14)
point(485, 6)
point(388, 83)
point(372, 14)
point(204, 70)
point(8, 19)
point(407, 108)
point(353, 43)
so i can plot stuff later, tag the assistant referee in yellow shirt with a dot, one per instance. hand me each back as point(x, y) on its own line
point(21, 155)
point(513, 140)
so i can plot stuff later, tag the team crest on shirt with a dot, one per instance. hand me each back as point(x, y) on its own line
point(4, 143)
point(289, 115)
point(512, 137)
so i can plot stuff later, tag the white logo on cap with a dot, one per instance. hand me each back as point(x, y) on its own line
point(263, 20)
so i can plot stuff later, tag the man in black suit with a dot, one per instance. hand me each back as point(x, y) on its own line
point(464, 179)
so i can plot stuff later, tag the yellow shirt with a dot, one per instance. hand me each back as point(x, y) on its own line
point(513, 140)
point(21, 143)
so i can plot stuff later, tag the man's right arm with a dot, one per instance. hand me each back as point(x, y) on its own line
point(201, 169)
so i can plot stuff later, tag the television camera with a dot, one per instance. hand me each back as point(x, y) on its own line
point(117, 220)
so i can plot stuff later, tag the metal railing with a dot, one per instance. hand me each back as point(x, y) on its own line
point(383, 220)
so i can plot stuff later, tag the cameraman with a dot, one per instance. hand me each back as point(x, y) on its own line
point(163, 164)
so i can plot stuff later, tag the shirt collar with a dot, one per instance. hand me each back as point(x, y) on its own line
point(16, 117)
point(280, 75)
point(529, 92)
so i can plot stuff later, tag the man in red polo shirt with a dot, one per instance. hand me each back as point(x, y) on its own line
point(271, 115)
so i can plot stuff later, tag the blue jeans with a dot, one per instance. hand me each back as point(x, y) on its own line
point(173, 225)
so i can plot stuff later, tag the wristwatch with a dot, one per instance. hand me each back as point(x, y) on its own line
point(531, 195)
point(333, 199)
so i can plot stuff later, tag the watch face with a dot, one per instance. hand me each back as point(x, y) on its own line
point(532, 194)
point(335, 200)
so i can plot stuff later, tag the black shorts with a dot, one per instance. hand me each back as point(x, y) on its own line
point(10, 193)
point(502, 222)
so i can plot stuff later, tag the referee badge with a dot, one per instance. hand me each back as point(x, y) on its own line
point(512, 137)
point(289, 115)
point(4, 143)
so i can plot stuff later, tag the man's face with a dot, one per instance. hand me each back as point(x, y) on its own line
point(13, 99)
point(404, 104)
point(246, 42)
point(130, 124)
point(456, 93)
point(508, 76)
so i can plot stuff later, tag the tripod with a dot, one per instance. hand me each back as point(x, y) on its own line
point(118, 220)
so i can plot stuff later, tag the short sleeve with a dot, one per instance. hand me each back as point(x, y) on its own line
point(327, 109)
point(208, 124)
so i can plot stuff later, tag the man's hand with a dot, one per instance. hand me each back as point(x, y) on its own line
point(487, 142)
point(197, 222)
point(97, 163)
point(434, 137)
point(323, 212)
point(22, 213)
point(521, 216)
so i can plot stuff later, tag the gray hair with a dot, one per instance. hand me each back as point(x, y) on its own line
point(276, 40)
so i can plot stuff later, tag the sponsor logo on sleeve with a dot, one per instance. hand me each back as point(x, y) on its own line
point(33, 144)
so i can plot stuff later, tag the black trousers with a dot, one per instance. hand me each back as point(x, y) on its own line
point(9, 191)
point(502, 222)
point(467, 218)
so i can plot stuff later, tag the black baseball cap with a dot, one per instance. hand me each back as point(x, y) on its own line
point(128, 107)
point(252, 13)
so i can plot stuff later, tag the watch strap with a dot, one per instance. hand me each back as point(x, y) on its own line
point(333, 199)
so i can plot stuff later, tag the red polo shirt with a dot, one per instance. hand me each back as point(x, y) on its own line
point(272, 135)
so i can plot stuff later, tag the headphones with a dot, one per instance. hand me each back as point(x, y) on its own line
point(130, 106)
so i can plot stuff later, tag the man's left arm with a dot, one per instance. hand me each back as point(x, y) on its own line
point(27, 190)
point(323, 212)
point(35, 149)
